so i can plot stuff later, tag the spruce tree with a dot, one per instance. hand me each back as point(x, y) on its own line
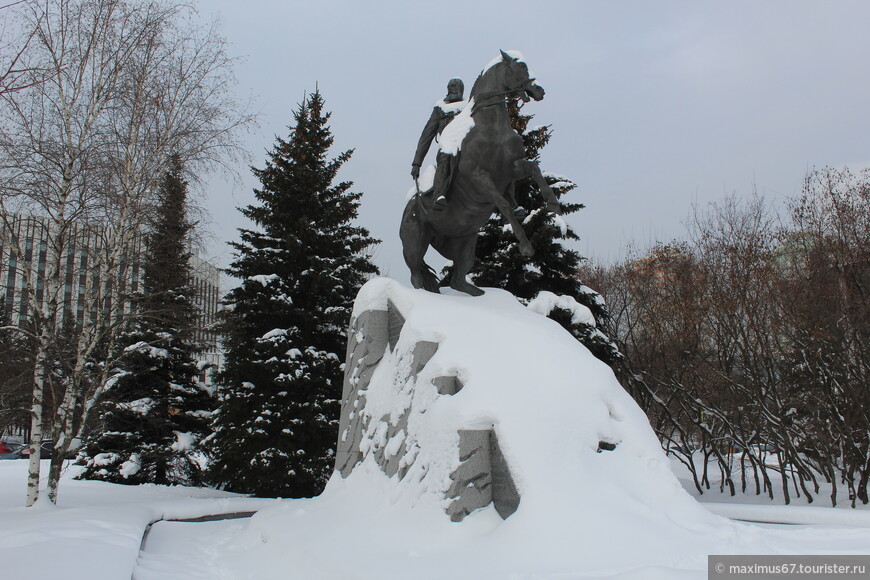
point(16, 374)
point(155, 415)
point(554, 267)
point(284, 329)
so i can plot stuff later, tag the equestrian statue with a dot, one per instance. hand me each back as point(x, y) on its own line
point(489, 158)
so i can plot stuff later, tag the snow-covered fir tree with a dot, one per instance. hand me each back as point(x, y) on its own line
point(156, 412)
point(554, 267)
point(284, 329)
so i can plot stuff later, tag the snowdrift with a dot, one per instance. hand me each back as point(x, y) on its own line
point(480, 429)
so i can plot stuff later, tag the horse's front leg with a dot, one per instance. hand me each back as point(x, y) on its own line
point(462, 250)
point(484, 184)
point(525, 168)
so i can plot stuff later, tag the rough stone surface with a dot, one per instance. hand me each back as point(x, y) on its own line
point(448, 385)
point(395, 323)
point(370, 334)
point(423, 353)
point(482, 476)
point(389, 459)
point(505, 496)
point(606, 446)
point(472, 480)
point(367, 344)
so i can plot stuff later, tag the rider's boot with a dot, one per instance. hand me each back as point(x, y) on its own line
point(440, 203)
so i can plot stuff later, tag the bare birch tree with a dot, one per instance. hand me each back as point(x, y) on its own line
point(16, 35)
point(137, 82)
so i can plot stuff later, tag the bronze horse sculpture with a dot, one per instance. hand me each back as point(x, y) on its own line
point(492, 158)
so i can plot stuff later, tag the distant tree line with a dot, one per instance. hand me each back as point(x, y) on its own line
point(747, 342)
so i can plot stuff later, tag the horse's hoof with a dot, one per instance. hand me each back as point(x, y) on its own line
point(527, 250)
point(423, 282)
point(554, 207)
point(468, 289)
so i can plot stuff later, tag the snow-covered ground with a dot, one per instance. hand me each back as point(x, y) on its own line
point(96, 532)
point(761, 508)
point(625, 513)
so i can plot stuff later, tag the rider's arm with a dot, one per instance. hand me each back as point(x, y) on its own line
point(429, 133)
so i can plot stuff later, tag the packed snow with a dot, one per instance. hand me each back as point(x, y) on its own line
point(550, 403)
point(454, 107)
point(139, 406)
point(145, 348)
point(545, 302)
point(450, 140)
point(132, 466)
point(263, 279)
point(96, 530)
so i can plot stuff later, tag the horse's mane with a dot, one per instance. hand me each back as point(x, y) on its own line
point(496, 63)
point(486, 74)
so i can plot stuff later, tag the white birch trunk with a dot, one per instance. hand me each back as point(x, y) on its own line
point(47, 319)
point(102, 327)
point(33, 469)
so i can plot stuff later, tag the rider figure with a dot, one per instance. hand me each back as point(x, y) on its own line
point(442, 114)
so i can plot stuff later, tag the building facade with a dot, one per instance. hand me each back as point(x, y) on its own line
point(205, 279)
point(24, 256)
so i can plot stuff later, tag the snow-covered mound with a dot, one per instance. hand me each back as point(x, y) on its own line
point(424, 369)
point(574, 466)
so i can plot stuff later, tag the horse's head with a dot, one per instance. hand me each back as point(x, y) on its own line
point(505, 76)
point(517, 81)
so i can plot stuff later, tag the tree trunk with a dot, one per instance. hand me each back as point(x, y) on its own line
point(36, 427)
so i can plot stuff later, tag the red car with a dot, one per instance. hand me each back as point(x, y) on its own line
point(10, 450)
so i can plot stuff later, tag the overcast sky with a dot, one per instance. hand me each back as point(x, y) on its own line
point(654, 105)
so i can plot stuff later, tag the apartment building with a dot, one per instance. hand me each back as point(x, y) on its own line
point(83, 245)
